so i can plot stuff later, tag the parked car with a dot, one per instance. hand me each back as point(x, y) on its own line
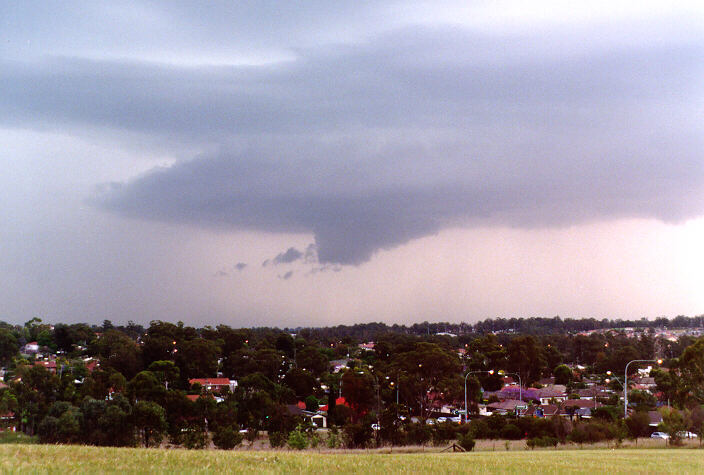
point(376, 427)
point(442, 419)
point(659, 435)
point(685, 434)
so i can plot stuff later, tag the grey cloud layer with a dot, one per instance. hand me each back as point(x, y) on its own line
point(372, 145)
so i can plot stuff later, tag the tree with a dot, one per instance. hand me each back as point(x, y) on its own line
point(197, 358)
point(358, 391)
point(427, 373)
point(150, 421)
point(165, 371)
point(146, 387)
point(8, 346)
point(563, 374)
point(312, 404)
point(673, 423)
point(638, 424)
point(119, 352)
point(301, 382)
point(526, 358)
point(691, 369)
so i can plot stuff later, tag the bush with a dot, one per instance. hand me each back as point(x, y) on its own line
point(227, 438)
point(358, 435)
point(443, 433)
point(298, 440)
point(195, 438)
point(333, 440)
point(511, 432)
point(466, 442)
point(418, 433)
point(479, 429)
point(596, 431)
point(277, 439)
point(545, 441)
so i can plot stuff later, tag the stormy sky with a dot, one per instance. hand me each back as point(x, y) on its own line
point(315, 163)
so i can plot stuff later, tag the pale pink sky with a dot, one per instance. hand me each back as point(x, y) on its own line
point(388, 161)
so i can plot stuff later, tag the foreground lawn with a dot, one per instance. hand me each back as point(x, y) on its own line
point(65, 459)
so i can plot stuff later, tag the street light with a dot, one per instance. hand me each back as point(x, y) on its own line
point(625, 384)
point(466, 410)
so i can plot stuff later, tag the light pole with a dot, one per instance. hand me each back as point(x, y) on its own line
point(625, 383)
point(466, 410)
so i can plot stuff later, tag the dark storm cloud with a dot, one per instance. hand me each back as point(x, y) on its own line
point(291, 255)
point(372, 145)
point(240, 266)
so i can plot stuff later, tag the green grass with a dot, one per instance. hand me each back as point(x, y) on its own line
point(16, 438)
point(79, 459)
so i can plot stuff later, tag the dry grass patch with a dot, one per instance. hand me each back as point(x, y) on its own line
point(81, 459)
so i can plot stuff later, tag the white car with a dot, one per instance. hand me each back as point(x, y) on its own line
point(659, 435)
point(685, 434)
point(442, 419)
point(376, 427)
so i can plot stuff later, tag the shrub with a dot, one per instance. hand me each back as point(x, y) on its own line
point(227, 438)
point(511, 432)
point(314, 440)
point(298, 440)
point(545, 441)
point(333, 440)
point(195, 438)
point(443, 433)
point(479, 429)
point(418, 433)
point(277, 439)
point(466, 442)
point(358, 435)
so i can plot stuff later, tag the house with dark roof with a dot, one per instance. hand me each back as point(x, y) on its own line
point(655, 418)
point(507, 406)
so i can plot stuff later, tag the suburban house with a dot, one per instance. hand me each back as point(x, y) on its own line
point(547, 396)
point(215, 385)
point(49, 365)
point(655, 418)
point(30, 348)
point(316, 418)
point(7, 422)
point(544, 410)
point(507, 406)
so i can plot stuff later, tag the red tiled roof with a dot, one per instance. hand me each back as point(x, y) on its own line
point(90, 366)
point(46, 364)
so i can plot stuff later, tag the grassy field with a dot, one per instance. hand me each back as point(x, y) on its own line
point(80, 459)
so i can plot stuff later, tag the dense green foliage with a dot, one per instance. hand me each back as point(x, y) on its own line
point(129, 385)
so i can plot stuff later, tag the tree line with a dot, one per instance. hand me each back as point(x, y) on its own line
point(139, 393)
